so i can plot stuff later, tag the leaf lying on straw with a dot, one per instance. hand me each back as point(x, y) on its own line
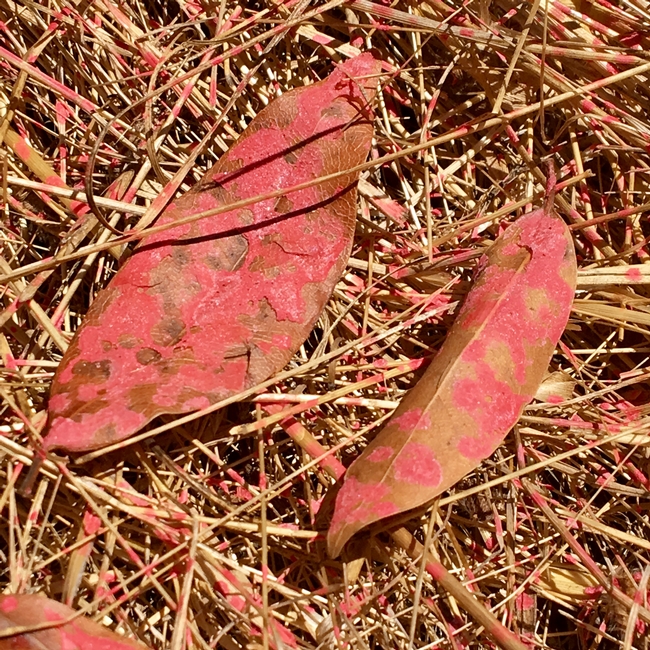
point(205, 310)
point(33, 611)
point(488, 369)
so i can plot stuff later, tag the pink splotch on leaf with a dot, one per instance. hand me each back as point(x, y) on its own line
point(357, 501)
point(380, 454)
point(8, 604)
point(414, 419)
point(417, 464)
point(491, 403)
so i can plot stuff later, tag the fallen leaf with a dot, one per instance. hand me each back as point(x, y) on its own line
point(569, 583)
point(72, 633)
point(556, 387)
point(205, 310)
point(489, 367)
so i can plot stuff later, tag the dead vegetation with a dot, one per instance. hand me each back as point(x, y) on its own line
point(207, 531)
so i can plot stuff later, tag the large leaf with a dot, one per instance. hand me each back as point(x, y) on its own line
point(78, 633)
point(488, 369)
point(205, 310)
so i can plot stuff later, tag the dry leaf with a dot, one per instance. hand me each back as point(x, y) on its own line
point(488, 369)
point(556, 387)
point(208, 309)
point(29, 610)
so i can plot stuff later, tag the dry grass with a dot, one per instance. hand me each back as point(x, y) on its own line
point(196, 536)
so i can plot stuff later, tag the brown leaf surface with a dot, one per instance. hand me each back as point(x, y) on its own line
point(30, 610)
point(208, 309)
point(490, 366)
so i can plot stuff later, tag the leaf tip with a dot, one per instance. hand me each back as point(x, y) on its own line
point(357, 505)
point(335, 543)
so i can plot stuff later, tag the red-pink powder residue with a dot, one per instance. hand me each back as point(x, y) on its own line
point(417, 465)
point(8, 604)
point(633, 274)
point(412, 419)
point(380, 454)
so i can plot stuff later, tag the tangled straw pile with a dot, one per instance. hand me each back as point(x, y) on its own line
point(208, 534)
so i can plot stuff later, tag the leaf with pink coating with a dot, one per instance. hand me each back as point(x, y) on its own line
point(489, 367)
point(62, 631)
point(206, 310)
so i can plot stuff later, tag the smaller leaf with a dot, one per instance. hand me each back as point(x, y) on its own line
point(33, 610)
point(490, 366)
point(557, 387)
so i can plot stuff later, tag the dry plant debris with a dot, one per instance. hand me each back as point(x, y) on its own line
point(207, 532)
